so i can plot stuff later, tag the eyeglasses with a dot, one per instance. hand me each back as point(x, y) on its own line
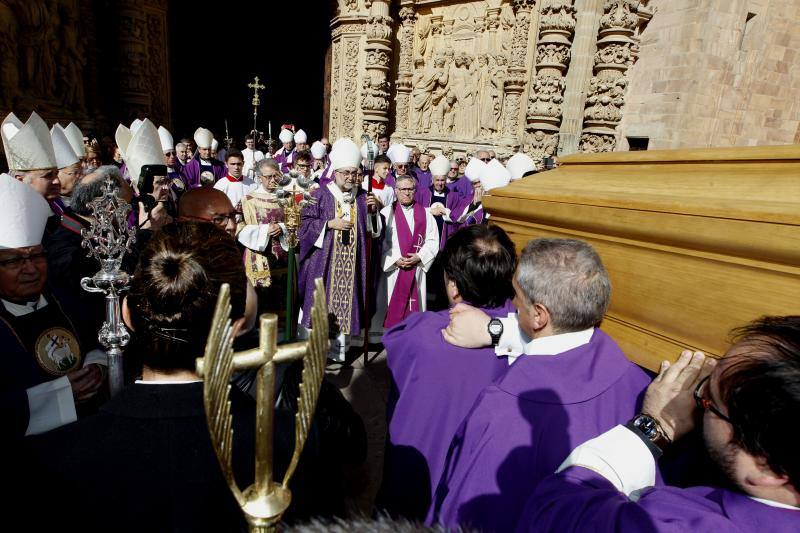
point(401, 165)
point(302, 165)
point(406, 189)
point(15, 263)
point(217, 220)
point(485, 159)
point(705, 404)
point(272, 176)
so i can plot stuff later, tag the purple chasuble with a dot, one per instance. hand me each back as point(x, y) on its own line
point(402, 303)
point(434, 384)
point(578, 499)
point(319, 262)
point(327, 175)
point(392, 175)
point(192, 170)
point(463, 186)
point(424, 178)
point(286, 161)
point(524, 426)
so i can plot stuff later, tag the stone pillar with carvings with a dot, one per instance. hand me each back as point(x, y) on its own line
point(517, 72)
point(405, 37)
point(347, 46)
point(616, 52)
point(375, 95)
point(556, 27)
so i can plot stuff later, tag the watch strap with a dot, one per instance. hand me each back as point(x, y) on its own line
point(654, 449)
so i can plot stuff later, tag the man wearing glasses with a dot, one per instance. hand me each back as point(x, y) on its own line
point(410, 244)
point(46, 372)
point(333, 244)
point(747, 402)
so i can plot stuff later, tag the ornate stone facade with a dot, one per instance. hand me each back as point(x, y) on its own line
point(558, 76)
point(56, 59)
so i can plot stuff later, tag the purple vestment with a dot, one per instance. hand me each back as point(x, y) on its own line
point(453, 201)
point(578, 499)
point(318, 262)
point(424, 177)
point(191, 172)
point(434, 384)
point(421, 183)
point(524, 426)
point(463, 186)
point(286, 161)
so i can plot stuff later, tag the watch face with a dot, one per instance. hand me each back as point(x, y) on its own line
point(646, 425)
point(495, 327)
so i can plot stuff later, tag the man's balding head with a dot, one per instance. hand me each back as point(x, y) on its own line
point(208, 205)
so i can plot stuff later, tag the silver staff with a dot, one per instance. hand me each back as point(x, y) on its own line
point(108, 238)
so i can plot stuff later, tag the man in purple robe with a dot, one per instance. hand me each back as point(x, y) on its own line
point(203, 170)
point(285, 156)
point(400, 156)
point(333, 244)
point(434, 384)
point(748, 402)
point(442, 202)
point(422, 170)
point(570, 382)
point(456, 182)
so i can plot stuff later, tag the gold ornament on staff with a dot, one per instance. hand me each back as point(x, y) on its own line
point(256, 86)
point(265, 501)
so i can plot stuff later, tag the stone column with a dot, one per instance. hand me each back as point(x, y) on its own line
point(345, 104)
point(375, 98)
point(606, 96)
point(405, 36)
point(517, 71)
point(556, 25)
point(580, 71)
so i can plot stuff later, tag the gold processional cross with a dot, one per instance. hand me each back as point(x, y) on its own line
point(256, 87)
point(265, 501)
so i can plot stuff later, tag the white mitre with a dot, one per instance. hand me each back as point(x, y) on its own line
point(75, 138)
point(24, 214)
point(399, 154)
point(300, 137)
point(440, 166)
point(65, 155)
point(318, 150)
point(475, 169)
point(214, 145)
point(494, 176)
point(520, 164)
point(166, 139)
point(345, 154)
point(286, 136)
point(203, 138)
point(143, 149)
point(28, 146)
point(123, 138)
point(135, 125)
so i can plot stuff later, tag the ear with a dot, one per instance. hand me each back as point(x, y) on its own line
point(764, 476)
point(540, 316)
point(126, 314)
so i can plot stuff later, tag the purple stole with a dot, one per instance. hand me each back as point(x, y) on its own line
point(325, 178)
point(403, 302)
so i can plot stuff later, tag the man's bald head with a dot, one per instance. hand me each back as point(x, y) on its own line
point(209, 205)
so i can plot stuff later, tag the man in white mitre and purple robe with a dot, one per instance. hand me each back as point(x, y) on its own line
point(285, 156)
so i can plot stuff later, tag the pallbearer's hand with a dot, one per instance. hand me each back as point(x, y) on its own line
point(468, 327)
point(670, 397)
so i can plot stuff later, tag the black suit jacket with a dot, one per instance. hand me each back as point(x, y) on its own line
point(145, 463)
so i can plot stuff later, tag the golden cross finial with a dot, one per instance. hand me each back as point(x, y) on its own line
point(256, 87)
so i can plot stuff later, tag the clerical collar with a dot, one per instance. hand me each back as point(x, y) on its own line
point(556, 344)
point(25, 309)
point(206, 162)
point(443, 193)
point(773, 503)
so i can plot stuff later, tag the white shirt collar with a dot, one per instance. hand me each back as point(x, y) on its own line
point(407, 208)
point(772, 503)
point(24, 309)
point(556, 344)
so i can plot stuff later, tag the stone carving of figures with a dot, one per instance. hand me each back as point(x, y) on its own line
point(439, 97)
point(423, 32)
point(433, 77)
point(73, 61)
point(507, 23)
point(465, 85)
point(498, 78)
point(9, 76)
point(487, 123)
point(39, 21)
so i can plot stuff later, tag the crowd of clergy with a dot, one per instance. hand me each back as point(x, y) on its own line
point(509, 408)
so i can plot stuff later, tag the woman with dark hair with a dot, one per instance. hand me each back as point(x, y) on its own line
point(145, 461)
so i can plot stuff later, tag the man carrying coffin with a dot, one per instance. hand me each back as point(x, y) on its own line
point(571, 382)
point(46, 369)
point(204, 170)
point(410, 244)
point(434, 384)
point(333, 243)
point(745, 401)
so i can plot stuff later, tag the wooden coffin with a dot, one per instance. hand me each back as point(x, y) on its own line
point(696, 242)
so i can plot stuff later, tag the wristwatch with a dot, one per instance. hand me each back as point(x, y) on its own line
point(495, 328)
point(649, 430)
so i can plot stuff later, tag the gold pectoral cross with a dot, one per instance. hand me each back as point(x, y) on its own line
point(265, 501)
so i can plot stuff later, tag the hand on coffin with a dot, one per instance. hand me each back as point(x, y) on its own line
point(670, 397)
